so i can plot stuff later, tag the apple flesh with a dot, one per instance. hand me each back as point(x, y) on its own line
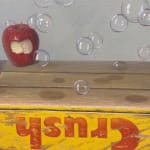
point(20, 43)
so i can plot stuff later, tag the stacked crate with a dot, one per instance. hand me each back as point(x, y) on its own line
point(40, 108)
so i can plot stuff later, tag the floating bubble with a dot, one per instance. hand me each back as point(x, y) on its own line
point(85, 46)
point(81, 87)
point(131, 8)
point(144, 17)
point(144, 52)
point(9, 22)
point(88, 43)
point(6, 24)
point(41, 22)
point(43, 3)
point(97, 39)
point(65, 2)
point(42, 58)
point(44, 22)
point(31, 21)
point(119, 65)
point(118, 23)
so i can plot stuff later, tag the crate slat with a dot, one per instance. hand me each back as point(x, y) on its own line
point(117, 81)
point(82, 66)
point(66, 98)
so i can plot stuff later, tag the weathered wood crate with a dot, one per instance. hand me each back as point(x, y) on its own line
point(41, 110)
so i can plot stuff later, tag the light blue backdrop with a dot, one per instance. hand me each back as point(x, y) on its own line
point(69, 23)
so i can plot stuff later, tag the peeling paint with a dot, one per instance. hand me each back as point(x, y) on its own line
point(86, 130)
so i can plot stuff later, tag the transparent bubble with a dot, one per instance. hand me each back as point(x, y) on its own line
point(97, 39)
point(85, 46)
point(144, 52)
point(31, 21)
point(6, 24)
point(89, 42)
point(42, 58)
point(43, 3)
point(65, 2)
point(81, 87)
point(41, 22)
point(144, 17)
point(118, 23)
point(131, 8)
point(9, 22)
point(119, 65)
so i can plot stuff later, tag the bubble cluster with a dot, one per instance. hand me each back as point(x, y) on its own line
point(133, 11)
point(41, 22)
point(87, 44)
point(131, 8)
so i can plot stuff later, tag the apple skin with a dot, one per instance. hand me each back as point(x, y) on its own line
point(19, 33)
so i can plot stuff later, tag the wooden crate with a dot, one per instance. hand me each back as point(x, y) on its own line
point(41, 110)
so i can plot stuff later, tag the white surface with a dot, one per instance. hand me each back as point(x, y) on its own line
point(70, 23)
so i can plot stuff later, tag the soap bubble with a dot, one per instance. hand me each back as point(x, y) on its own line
point(144, 52)
point(65, 2)
point(9, 22)
point(144, 17)
point(97, 39)
point(43, 3)
point(41, 22)
point(42, 57)
point(131, 8)
point(119, 65)
point(88, 43)
point(85, 46)
point(81, 87)
point(118, 23)
point(31, 21)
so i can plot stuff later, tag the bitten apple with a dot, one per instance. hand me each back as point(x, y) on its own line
point(20, 42)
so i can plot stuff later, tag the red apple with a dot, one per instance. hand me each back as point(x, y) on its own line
point(20, 43)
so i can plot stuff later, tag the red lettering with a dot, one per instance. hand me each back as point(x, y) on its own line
point(34, 130)
point(129, 134)
point(101, 131)
point(52, 130)
point(128, 130)
point(70, 122)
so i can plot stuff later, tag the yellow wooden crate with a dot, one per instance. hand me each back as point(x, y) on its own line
point(41, 110)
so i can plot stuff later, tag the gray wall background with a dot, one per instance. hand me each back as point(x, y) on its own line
point(69, 23)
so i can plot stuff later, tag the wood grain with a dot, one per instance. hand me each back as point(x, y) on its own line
point(52, 87)
point(110, 81)
point(68, 99)
point(83, 66)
